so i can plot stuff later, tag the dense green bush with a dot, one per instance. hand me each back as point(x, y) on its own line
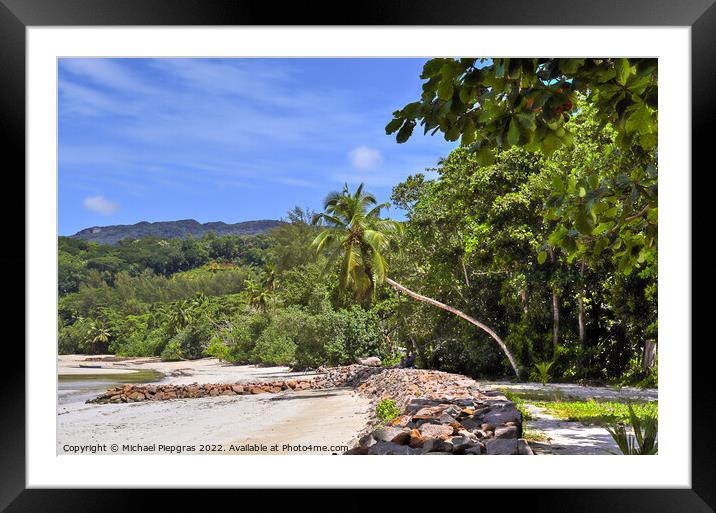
point(386, 410)
point(74, 337)
point(172, 352)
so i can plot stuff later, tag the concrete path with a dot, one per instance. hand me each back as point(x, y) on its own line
point(565, 437)
point(573, 390)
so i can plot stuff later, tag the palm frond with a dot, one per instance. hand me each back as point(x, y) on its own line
point(375, 211)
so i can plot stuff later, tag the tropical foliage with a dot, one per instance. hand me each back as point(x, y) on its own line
point(534, 241)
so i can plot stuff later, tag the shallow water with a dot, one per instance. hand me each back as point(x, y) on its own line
point(73, 388)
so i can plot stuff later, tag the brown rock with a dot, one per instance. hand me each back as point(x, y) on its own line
point(237, 389)
point(439, 431)
point(416, 438)
point(401, 421)
point(430, 413)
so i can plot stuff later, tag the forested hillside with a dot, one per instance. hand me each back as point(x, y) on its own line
point(171, 229)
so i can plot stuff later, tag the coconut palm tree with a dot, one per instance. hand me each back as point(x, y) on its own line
point(180, 315)
point(356, 235)
point(98, 333)
point(258, 296)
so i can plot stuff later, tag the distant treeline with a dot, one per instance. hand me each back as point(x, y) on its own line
point(81, 261)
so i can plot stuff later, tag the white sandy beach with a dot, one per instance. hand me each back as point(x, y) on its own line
point(316, 418)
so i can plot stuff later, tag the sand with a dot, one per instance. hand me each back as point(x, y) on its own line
point(324, 420)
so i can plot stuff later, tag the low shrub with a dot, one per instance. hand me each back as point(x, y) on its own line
point(172, 351)
point(386, 410)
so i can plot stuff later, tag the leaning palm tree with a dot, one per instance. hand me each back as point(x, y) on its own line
point(355, 234)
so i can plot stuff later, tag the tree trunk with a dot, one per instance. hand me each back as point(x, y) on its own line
point(397, 286)
point(580, 311)
point(523, 297)
point(555, 311)
point(649, 357)
point(555, 322)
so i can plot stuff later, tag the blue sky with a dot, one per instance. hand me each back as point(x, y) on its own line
point(228, 139)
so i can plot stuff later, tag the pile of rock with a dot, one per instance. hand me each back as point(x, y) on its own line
point(441, 413)
point(335, 377)
point(136, 393)
point(487, 425)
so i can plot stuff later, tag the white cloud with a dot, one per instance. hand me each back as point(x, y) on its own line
point(364, 157)
point(100, 204)
point(107, 73)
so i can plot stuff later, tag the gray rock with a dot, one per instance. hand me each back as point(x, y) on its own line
point(506, 432)
point(524, 448)
point(367, 440)
point(371, 361)
point(357, 450)
point(472, 422)
point(501, 446)
point(478, 448)
point(387, 434)
point(435, 445)
point(452, 410)
point(460, 444)
point(383, 448)
point(499, 417)
point(446, 419)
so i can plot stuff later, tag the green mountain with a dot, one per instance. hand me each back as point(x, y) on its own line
point(172, 229)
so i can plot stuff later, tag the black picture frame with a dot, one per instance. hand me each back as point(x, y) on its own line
point(700, 15)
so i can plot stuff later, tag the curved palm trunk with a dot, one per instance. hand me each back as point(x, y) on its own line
point(397, 286)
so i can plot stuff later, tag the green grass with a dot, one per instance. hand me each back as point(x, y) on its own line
point(601, 413)
point(533, 435)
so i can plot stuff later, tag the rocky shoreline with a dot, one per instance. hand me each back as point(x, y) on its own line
point(441, 413)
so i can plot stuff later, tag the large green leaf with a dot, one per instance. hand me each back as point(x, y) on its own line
point(623, 70)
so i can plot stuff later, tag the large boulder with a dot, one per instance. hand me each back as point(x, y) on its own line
point(506, 432)
point(502, 446)
point(392, 434)
point(371, 361)
point(439, 431)
point(500, 416)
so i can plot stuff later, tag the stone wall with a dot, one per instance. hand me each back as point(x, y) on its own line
point(137, 393)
